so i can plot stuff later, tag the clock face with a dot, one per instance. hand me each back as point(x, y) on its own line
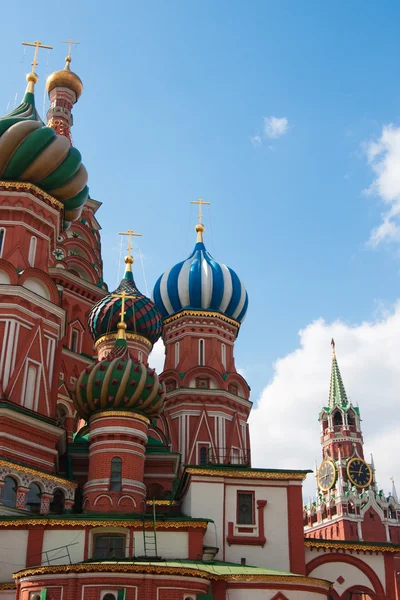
point(59, 254)
point(326, 475)
point(359, 472)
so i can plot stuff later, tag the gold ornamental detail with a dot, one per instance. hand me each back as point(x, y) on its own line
point(42, 474)
point(103, 523)
point(129, 336)
point(298, 475)
point(32, 189)
point(365, 547)
point(153, 568)
point(120, 413)
point(201, 313)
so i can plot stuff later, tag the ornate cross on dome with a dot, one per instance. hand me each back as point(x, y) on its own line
point(70, 44)
point(200, 202)
point(36, 45)
point(130, 233)
point(122, 325)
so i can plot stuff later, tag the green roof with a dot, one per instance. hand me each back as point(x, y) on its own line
point(337, 393)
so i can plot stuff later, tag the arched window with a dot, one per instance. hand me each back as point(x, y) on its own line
point(61, 414)
point(75, 341)
point(32, 251)
point(31, 387)
point(203, 455)
point(9, 492)
point(176, 354)
point(116, 474)
point(350, 418)
point(57, 504)
point(33, 498)
point(201, 352)
point(109, 597)
point(337, 418)
point(2, 238)
point(223, 355)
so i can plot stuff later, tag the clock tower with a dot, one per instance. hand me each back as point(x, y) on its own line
point(349, 505)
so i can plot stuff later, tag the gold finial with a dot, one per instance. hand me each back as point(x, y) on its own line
point(129, 258)
point(122, 325)
point(333, 347)
point(200, 227)
point(68, 57)
point(32, 76)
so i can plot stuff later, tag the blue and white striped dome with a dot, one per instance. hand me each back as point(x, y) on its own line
point(201, 283)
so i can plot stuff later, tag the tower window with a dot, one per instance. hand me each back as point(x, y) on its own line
point(9, 492)
point(203, 455)
point(33, 499)
point(116, 474)
point(31, 387)
point(176, 354)
point(75, 340)
point(109, 546)
point(223, 355)
point(201, 352)
point(32, 251)
point(337, 418)
point(245, 508)
point(57, 504)
point(2, 238)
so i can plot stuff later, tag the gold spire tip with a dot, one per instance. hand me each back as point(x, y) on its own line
point(129, 258)
point(32, 77)
point(200, 226)
point(70, 44)
point(121, 326)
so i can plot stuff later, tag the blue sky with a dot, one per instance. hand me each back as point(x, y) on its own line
point(176, 93)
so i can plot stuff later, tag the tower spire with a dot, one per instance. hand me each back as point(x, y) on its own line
point(129, 260)
point(337, 392)
point(200, 227)
point(32, 77)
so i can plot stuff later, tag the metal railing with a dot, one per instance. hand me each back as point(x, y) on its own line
point(226, 456)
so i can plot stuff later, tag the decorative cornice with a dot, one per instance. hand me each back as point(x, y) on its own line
point(364, 546)
point(42, 474)
point(201, 313)
point(32, 189)
point(103, 523)
point(161, 502)
point(120, 413)
point(250, 474)
point(129, 337)
point(7, 586)
point(166, 570)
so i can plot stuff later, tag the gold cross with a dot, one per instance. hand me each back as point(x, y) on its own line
point(36, 45)
point(70, 44)
point(200, 202)
point(122, 325)
point(130, 233)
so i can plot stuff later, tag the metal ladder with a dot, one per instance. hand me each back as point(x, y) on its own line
point(150, 537)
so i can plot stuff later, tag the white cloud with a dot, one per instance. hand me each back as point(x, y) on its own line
point(284, 426)
point(157, 356)
point(256, 140)
point(275, 127)
point(384, 159)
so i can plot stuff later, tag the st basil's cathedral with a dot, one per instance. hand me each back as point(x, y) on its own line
point(119, 483)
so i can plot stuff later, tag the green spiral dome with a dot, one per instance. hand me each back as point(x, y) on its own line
point(32, 152)
point(119, 383)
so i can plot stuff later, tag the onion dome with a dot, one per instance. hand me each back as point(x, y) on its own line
point(201, 283)
point(32, 152)
point(141, 315)
point(119, 383)
point(65, 78)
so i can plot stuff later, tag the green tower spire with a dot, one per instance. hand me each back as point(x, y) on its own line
point(337, 393)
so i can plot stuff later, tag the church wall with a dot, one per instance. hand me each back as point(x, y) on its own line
point(60, 537)
point(275, 554)
point(12, 553)
point(273, 594)
point(351, 574)
point(206, 499)
point(169, 544)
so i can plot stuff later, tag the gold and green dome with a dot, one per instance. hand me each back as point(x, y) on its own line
point(119, 383)
point(32, 152)
point(65, 78)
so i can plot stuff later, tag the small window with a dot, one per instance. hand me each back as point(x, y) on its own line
point(245, 508)
point(2, 238)
point(33, 499)
point(32, 251)
point(223, 355)
point(110, 597)
point(203, 455)
point(31, 387)
point(109, 546)
point(9, 492)
point(350, 418)
point(116, 474)
point(176, 354)
point(140, 356)
point(337, 418)
point(201, 353)
point(75, 341)
point(57, 504)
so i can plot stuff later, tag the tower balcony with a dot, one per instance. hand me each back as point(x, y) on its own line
point(227, 456)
